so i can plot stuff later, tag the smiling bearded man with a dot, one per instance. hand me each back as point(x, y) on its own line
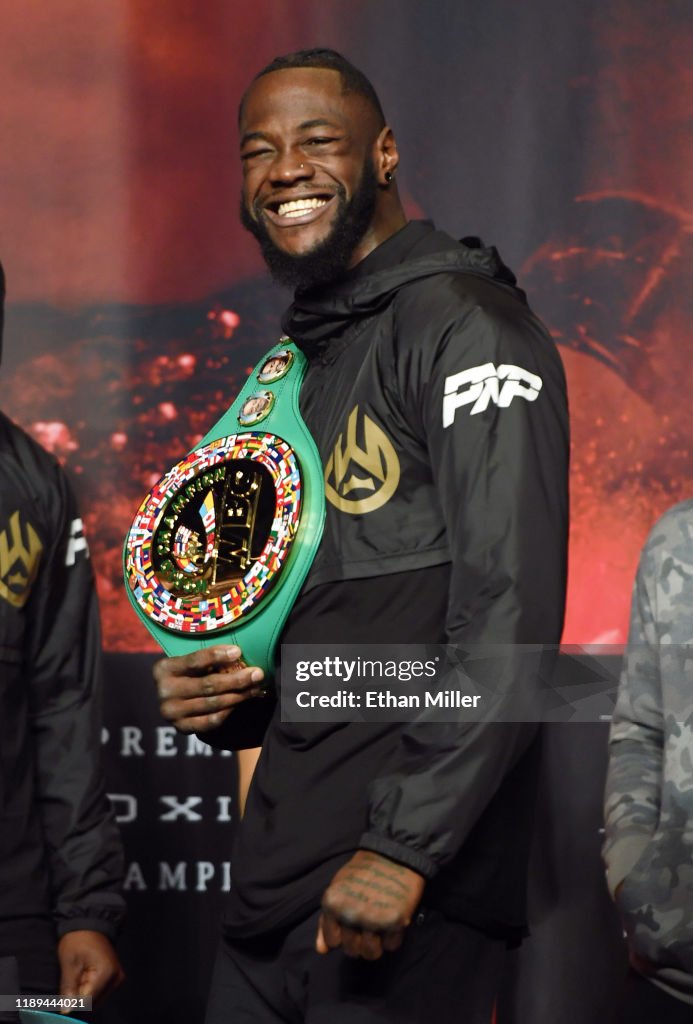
point(311, 220)
point(327, 259)
point(379, 871)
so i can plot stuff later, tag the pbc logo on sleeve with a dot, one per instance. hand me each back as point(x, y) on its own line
point(20, 554)
point(486, 384)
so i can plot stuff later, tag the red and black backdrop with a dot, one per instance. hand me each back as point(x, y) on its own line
point(557, 131)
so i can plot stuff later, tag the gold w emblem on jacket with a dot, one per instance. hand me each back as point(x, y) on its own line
point(20, 553)
point(353, 468)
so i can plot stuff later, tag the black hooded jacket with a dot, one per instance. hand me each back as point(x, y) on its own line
point(437, 401)
point(61, 859)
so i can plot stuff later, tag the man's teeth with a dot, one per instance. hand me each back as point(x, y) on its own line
point(297, 207)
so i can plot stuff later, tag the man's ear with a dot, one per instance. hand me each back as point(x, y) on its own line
point(386, 156)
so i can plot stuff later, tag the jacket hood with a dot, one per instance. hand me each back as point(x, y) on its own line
point(417, 251)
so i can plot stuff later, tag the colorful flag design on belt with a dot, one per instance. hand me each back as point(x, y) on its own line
point(209, 519)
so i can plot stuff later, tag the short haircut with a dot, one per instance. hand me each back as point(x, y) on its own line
point(353, 80)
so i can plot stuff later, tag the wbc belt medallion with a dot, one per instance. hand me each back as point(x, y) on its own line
point(210, 539)
point(223, 542)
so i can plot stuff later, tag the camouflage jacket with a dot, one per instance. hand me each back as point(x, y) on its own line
point(649, 793)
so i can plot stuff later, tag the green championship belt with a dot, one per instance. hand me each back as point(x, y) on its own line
point(221, 545)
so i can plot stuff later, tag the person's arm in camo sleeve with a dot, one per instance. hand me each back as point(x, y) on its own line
point(649, 794)
point(633, 786)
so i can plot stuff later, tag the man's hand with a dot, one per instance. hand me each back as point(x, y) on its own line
point(367, 906)
point(199, 691)
point(89, 966)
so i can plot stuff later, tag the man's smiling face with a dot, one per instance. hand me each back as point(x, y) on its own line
point(310, 187)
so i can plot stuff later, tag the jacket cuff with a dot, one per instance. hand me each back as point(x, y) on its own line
point(87, 924)
point(244, 728)
point(106, 916)
point(404, 855)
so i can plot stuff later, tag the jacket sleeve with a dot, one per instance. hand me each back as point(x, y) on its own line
point(245, 727)
point(62, 662)
point(493, 411)
point(636, 741)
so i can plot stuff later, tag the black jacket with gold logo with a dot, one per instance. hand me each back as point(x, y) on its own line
point(438, 404)
point(59, 849)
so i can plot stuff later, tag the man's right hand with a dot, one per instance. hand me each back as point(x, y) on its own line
point(199, 691)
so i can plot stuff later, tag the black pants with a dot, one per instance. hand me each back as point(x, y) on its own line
point(645, 1003)
point(32, 971)
point(444, 973)
point(35, 970)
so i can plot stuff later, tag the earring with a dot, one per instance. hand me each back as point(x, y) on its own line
point(388, 177)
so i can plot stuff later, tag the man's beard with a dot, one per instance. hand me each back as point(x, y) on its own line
point(328, 259)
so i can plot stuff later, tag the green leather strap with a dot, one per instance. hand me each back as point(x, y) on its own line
point(252, 614)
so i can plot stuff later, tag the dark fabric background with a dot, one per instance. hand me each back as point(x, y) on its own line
point(559, 132)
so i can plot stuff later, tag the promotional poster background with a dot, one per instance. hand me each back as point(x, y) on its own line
point(136, 305)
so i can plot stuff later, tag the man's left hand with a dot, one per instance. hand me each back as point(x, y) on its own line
point(89, 965)
point(367, 906)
